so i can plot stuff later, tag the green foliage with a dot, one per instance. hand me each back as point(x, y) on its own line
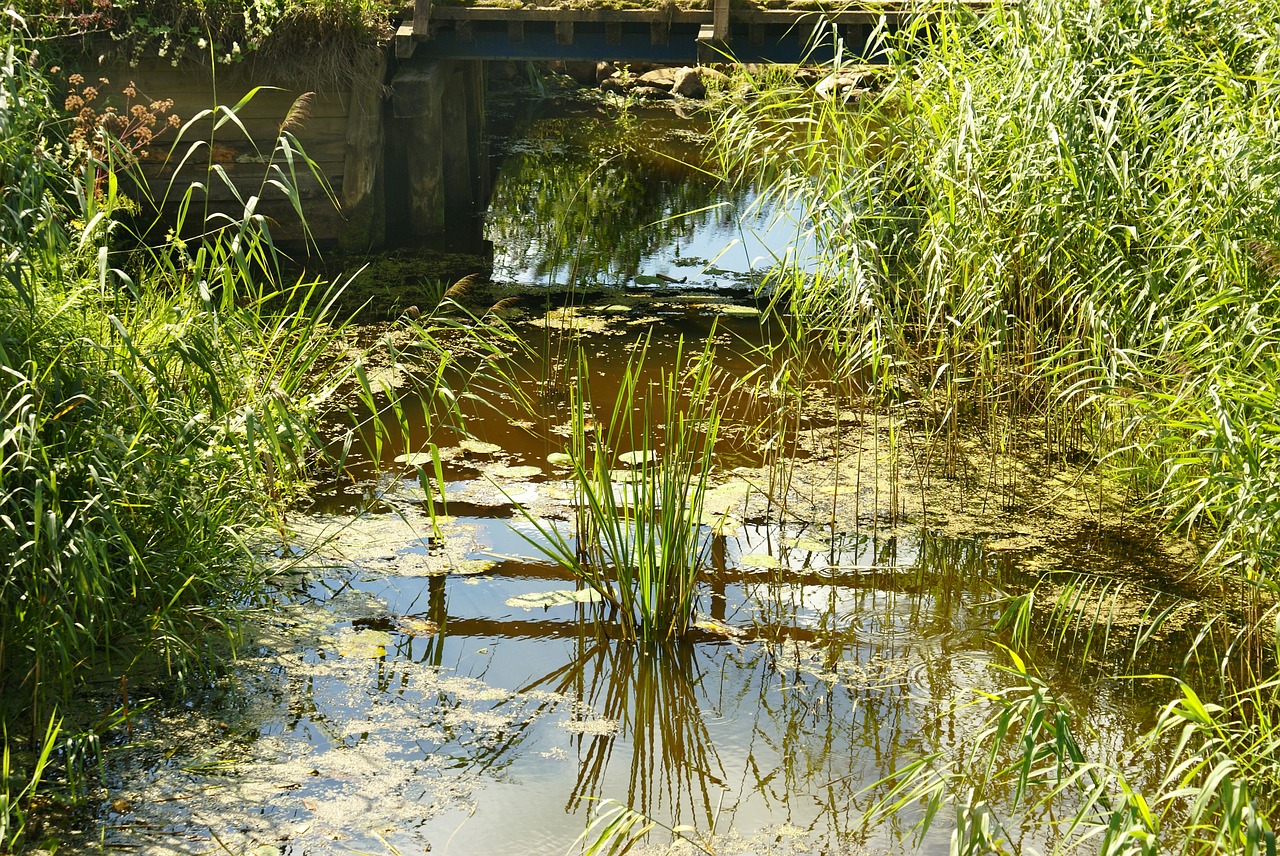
point(1060, 221)
point(1056, 225)
point(224, 31)
point(156, 415)
point(638, 540)
point(1027, 761)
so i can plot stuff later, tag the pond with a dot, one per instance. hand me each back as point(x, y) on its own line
point(432, 682)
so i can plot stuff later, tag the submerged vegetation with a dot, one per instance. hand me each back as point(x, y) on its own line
point(1055, 227)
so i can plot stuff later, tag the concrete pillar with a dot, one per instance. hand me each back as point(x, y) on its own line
point(439, 123)
point(456, 143)
point(417, 93)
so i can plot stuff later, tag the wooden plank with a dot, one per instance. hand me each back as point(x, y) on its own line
point(564, 32)
point(455, 143)
point(720, 20)
point(363, 202)
point(515, 31)
point(422, 19)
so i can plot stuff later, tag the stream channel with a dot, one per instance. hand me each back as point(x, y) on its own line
point(419, 690)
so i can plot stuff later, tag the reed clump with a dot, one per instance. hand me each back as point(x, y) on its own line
point(639, 541)
point(1055, 225)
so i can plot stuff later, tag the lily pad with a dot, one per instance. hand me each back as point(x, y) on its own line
point(479, 447)
point(646, 279)
point(414, 459)
point(363, 644)
point(739, 311)
point(411, 625)
point(515, 472)
point(640, 456)
point(615, 308)
point(808, 545)
point(719, 628)
point(471, 567)
point(759, 560)
point(559, 597)
point(559, 459)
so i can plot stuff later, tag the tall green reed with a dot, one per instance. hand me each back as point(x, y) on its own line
point(157, 413)
point(1053, 227)
point(638, 542)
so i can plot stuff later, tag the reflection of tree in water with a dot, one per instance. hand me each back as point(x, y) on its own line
point(587, 197)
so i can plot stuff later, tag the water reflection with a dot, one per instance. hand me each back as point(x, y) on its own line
point(823, 681)
point(591, 195)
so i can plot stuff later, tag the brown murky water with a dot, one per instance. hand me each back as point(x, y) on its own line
point(430, 685)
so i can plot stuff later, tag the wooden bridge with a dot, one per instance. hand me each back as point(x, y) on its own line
point(660, 35)
point(403, 149)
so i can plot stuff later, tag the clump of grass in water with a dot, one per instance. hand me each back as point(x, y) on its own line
point(638, 542)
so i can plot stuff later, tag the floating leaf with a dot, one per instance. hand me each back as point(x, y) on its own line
point(515, 472)
point(739, 311)
point(646, 279)
point(719, 628)
point(479, 447)
point(559, 459)
point(640, 456)
point(559, 597)
point(808, 545)
point(363, 644)
point(471, 567)
point(411, 625)
point(414, 459)
point(759, 560)
point(614, 308)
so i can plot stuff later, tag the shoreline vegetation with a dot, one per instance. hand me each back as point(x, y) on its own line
point(1057, 225)
point(1054, 227)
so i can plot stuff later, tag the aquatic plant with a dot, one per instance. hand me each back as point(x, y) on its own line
point(638, 540)
point(1051, 228)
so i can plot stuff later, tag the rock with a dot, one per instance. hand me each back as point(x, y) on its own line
point(582, 72)
point(613, 84)
point(833, 85)
point(688, 84)
point(651, 93)
point(661, 78)
point(604, 71)
point(709, 73)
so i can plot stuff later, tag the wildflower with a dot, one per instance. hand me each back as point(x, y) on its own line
point(75, 79)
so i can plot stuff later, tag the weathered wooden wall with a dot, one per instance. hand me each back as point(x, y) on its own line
point(340, 130)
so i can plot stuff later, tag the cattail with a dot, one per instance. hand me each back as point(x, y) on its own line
point(462, 286)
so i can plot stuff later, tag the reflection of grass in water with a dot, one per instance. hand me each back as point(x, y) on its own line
point(594, 201)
